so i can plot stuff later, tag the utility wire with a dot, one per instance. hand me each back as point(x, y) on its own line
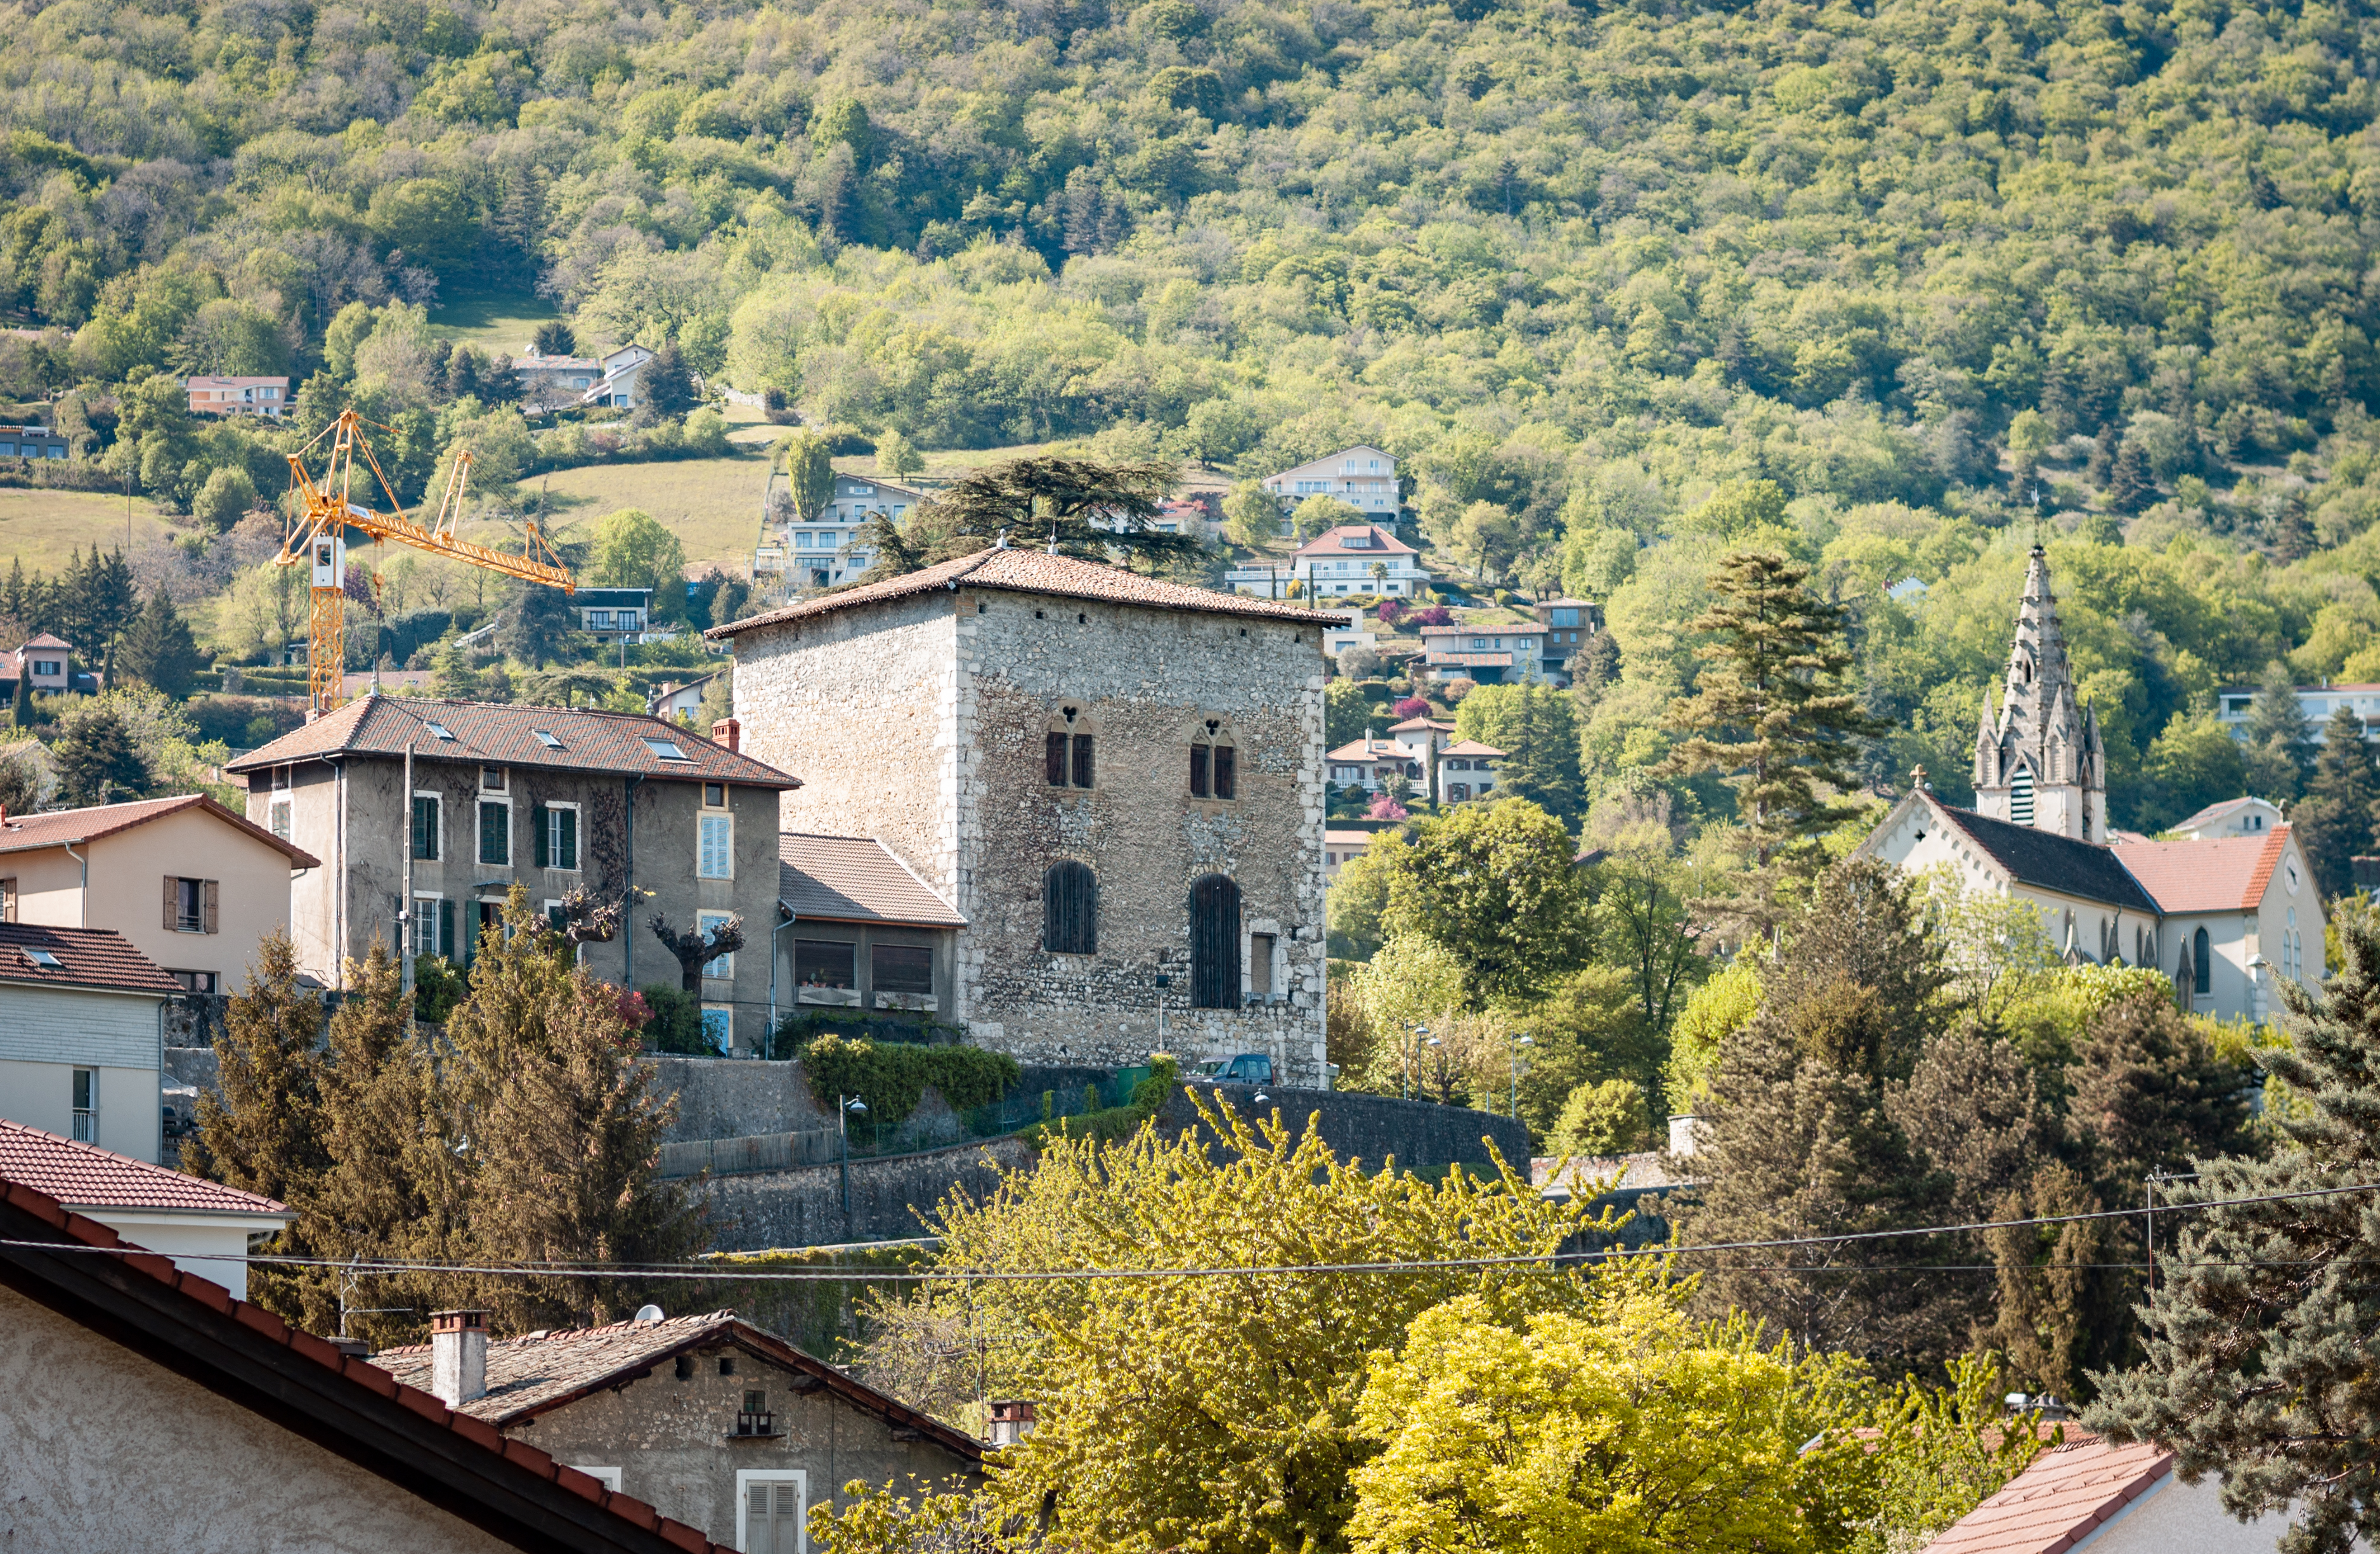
point(1552, 1259)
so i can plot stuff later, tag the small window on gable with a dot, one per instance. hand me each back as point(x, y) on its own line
point(492, 779)
point(1068, 758)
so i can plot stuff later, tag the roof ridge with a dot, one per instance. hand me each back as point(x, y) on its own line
point(76, 1146)
point(913, 874)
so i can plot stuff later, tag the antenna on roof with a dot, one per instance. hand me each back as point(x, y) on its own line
point(1053, 534)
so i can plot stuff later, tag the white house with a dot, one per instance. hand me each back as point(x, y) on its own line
point(825, 552)
point(1358, 558)
point(82, 1036)
point(2233, 817)
point(1364, 478)
point(1500, 653)
point(1466, 769)
point(2232, 704)
point(618, 384)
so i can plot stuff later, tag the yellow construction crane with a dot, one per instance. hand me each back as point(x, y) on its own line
point(318, 538)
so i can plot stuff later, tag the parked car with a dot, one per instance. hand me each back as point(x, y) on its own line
point(1249, 1068)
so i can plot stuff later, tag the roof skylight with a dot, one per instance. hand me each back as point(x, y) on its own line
point(440, 729)
point(45, 959)
point(546, 738)
point(667, 749)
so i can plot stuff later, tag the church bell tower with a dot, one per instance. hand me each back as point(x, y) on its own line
point(2042, 763)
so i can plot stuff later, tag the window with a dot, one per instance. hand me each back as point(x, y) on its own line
point(715, 851)
point(769, 1507)
point(1260, 963)
point(718, 1028)
point(546, 738)
point(196, 981)
point(440, 730)
point(1214, 943)
point(722, 965)
point(46, 959)
point(666, 749)
point(427, 910)
point(191, 905)
point(2202, 964)
point(1457, 792)
point(902, 968)
point(86, 1106)
point(555, 827)
point(492, 779)
point(427, 831)
point(2020, 795)
point(9, 900)
point(496, 831)
point(714, 795)
point(824, 963)
point(1214, 763)
point(277, 814)
point(1070, 909)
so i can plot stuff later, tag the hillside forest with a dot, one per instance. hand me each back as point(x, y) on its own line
point(1890, 287)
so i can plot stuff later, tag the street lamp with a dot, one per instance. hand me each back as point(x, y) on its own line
point(1417, 1030)
point(1519, 1041)
point(843, 1106)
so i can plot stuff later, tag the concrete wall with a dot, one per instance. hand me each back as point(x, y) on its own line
point(128, 875)
point(732, 1098)
point(1418, 1133)
point(211, 1475)
point(804, 1207)
point(921, 722)
point(367, 849)
point(664, 1435)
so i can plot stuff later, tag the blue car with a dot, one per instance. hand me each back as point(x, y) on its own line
point(1249, 1068)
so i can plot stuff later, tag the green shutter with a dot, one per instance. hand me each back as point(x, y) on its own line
point(537, 828)
point(567, 837)
point(447, 928)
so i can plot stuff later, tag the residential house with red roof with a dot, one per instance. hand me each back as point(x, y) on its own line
point(82, 1034)
point(2227, 916)
point(709, 1419)
point(154, 1408)
point(1114, 781)
point(203, 1226)
point(1466, 769)
point(1364, 478)
point(189, 884)
point(426, 813)
point(217, 395)
point(2109, 1498)
point(46, 663)
point(1357, 559)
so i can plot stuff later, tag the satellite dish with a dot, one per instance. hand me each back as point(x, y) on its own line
point(649, 1313)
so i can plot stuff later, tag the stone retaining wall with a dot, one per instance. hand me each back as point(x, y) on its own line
point(890, 1196)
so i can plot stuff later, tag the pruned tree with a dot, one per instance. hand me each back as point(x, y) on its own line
point(697, 947)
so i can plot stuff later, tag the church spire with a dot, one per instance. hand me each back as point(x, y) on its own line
point(2043, 766)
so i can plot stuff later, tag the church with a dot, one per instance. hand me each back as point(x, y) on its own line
point(2226, 917)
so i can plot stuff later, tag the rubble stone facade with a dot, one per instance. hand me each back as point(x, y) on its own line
point(925, 720)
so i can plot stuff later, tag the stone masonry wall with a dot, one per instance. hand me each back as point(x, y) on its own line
point(804, 1207)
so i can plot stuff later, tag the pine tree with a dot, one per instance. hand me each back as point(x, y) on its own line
point(159, 649)
point(666, 384)
point(261, 1130)
point(95, 756)
point(2280, 741)
point(558, 1119)
point(20, 709)
point(2151, 1094)
point(1770, 711)
point(2334, 822)
point(2259, 1357)
point(14, 599)
point(1079, 506)
point(2128, 486)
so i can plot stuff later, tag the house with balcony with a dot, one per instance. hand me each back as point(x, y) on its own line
point(1366, 762)
point(1501, 653)
point(1568, 622)
point(33, 442)
point(550, 381)
point(863, 930)
point(1359, 559)
point(1364, 478)
point(2233, 703)
point(826, 550)
point(238, 397)
point(1466, 769)
point(613, 615)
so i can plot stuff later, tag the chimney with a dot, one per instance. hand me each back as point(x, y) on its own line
point(1012, 1420)
point(1683, 1141)
point(728, 732)
point(458, 1356)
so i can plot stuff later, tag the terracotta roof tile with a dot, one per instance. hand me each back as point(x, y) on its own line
point(82, 1176)
point(1017, 571)
point(2218, 874)
point(86, 957)
point(542, 1371)
point(1333, 542)
point(1415, 725)
point(1472, 748)
point(57, 826)
point(507, 736)
point(855, 880)
point(46, 641)
point(2064, 1495)
point(366, 1379)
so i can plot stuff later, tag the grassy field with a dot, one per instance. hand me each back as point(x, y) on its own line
point(40, 528)
point(494, 321)
point(712, 504)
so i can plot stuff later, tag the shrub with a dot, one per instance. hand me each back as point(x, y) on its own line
point(1392, 611)
point(892, 1077)
point(677, 1023)
point(1412, 706)
point(1437, 614)
point(438, 986)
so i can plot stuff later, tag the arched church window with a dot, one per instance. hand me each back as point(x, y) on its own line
point(2202, 964)
point(1214, 942)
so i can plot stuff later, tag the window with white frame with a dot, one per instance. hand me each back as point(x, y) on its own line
point(770, 1506)
point(715, 850)
point(557, 835)
point(424, 924)
point(86, 1106)
point(722, 965)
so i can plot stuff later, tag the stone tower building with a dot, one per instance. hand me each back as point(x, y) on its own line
point(2042, 764)
point(1117, 781)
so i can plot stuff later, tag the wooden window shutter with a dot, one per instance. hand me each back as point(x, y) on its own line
point(537, 825)
point(1056, 761)
point(1227, 771)
point(447, 928)
point(1214, 943)
point(207, 896)
point(566, 837)
point(172, 903)
point(1082, 761)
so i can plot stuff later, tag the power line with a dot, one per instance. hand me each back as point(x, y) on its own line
point(1556, 1260)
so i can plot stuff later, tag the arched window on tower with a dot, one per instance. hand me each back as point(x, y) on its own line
point(1214, 942)
point(2201, 966)
point(2021, 795)
point(1214, 762)
point(1070, 909)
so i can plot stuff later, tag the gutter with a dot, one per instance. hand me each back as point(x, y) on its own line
point(82, 897)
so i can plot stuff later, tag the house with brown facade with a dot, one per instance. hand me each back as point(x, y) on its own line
point(708, 1419)
point(1116, 782)
point(189, 884)
point(427, 812)
point(147, 1407)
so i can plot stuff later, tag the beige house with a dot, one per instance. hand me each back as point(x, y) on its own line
point(187, 882)
point(82, 1032)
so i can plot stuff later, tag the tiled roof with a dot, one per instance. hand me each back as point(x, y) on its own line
point(46, 641)
point(373, 1407)
point(1415, 725)
point(1017, 571)
point(87, 958)
point(2064, 1495)
point(82, 1176)
point(855, 880)
point(1333, 542)
point(2213, 813)
point(1498, 629)
point(2218, 874)
point(57, 827)
point(505, 735)
point(2049, 861)
point(1472, 748)
point(1369, 749)
point(1474, 660)
point(542, 1371)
